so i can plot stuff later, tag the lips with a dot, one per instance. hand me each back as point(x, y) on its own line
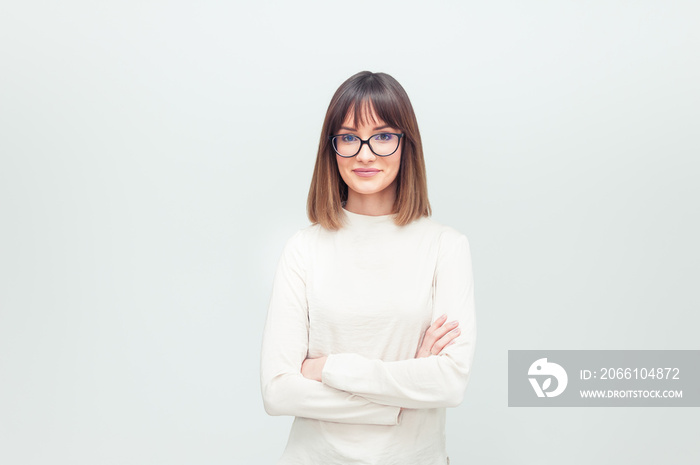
point(365, 172)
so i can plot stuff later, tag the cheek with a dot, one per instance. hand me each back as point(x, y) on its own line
point(396, 165)
point(342, 167)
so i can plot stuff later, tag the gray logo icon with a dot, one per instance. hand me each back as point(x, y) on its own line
point(546, 371)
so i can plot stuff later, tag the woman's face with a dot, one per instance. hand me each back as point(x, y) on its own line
point(371, 179)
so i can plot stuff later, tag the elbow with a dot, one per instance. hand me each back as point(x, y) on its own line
point(454, 396)
point(271, 407)
point(277, 396)
point(272, 400)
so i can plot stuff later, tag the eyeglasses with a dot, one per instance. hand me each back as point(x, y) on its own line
point(382, 144)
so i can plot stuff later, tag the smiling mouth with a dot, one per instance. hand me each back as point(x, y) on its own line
point(365, 172)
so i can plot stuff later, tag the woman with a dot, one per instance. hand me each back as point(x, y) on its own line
point(370, 331)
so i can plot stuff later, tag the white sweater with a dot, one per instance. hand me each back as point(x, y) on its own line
point(364, 296)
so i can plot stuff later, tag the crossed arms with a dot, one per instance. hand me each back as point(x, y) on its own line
point(349, 388)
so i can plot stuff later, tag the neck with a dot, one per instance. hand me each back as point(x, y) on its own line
point(377, 204)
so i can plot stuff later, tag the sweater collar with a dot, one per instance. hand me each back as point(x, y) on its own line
point(355, 219)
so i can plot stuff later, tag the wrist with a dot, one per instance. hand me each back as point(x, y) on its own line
point(312, 368)
point(321, 365)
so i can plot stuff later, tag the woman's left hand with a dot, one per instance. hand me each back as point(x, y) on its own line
point(312, 368)
point(438, 336)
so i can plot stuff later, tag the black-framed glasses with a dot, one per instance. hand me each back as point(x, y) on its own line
point(382, 144)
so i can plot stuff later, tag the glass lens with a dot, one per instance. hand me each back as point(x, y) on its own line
point(384, 144)
point(346, 145)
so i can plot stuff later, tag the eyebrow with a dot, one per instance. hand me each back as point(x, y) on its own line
point(378, 128)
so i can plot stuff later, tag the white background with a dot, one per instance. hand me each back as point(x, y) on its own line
point(155, 156)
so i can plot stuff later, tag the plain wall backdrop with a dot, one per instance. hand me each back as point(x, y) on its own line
point(155, 156)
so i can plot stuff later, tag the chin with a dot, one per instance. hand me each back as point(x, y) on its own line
point(366, 190)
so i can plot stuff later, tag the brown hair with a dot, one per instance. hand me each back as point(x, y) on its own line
point(364, 94)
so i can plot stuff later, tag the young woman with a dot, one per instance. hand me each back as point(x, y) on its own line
point(370, 331)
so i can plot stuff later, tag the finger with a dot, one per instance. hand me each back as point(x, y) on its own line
point(432, 334)
point(439, 327)
point(440, 346)
point(431, 337)
point(444, 341)
point(448, 345)
point(437, 323)
point(444, 329)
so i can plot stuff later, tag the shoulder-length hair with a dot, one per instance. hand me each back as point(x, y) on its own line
point(363, 95)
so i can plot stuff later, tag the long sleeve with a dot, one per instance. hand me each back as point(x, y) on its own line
point(285, 391)
point(435, 381)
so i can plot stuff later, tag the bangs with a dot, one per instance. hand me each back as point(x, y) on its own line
point(367, 113)
point(366, 105)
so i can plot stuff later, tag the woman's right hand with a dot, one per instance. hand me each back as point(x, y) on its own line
point(438, 336)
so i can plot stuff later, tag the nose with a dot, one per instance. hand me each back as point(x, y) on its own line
point(365, 155)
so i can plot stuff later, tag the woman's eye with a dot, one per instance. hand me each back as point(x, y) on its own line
point(348, 138)
point(384, 137)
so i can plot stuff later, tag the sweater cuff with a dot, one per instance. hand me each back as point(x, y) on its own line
point(338, 373)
